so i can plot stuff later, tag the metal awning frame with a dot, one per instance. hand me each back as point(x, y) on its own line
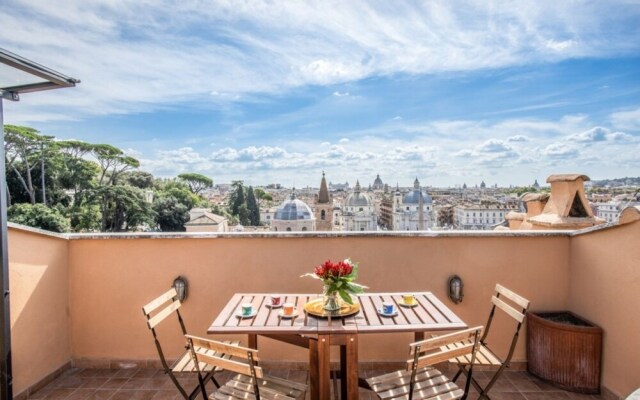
point(53, 79)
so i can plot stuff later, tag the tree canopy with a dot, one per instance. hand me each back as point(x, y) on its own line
point(72, 185)
point(196, 182)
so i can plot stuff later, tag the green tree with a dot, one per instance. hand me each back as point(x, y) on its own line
point(22, 148)
point(85, 217)
point(243, 215)
point(252, 206)
point(196, 182)
point(38, 216)
point(122, 207)
point(236, 198)
point(77, 174)
point(171, 214)
point(262, 195)
point(139, 179)
point(113, 162)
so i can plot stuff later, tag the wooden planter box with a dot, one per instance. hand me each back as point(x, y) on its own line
point(565, 350)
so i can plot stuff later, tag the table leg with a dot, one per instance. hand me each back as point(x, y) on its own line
point(320, 368)
point(350, 381)
point(253, 341)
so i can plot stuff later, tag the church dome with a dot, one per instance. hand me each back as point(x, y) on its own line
point(378, 181)
point(293, 209)
point(357, 198)
point(413, 197)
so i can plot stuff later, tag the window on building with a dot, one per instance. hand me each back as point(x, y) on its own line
point(304, 228)
point(288, 229)
point(322, 215)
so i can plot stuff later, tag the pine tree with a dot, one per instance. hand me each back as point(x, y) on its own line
point(237, 198)
point(252, 205)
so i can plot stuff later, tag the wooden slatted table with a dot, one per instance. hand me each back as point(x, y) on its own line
point(319, 334)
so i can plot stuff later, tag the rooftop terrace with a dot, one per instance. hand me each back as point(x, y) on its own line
point(76, 299)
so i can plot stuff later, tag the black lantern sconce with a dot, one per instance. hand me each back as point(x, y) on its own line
point(456, 286)
point(181, 286)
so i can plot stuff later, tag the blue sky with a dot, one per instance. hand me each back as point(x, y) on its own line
point(450, 92)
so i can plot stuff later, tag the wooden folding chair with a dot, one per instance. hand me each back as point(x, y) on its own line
point(485, 356)
point(421, 380)
point(250, 383)
point(155, 315)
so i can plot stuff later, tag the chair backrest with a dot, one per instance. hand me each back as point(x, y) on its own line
point(443, 348)
point(515, 307)
point(217, 354)
point(155, 314)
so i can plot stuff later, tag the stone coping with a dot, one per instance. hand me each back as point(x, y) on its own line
point(317, 234)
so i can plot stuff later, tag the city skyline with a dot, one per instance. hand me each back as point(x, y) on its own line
point(505, 93)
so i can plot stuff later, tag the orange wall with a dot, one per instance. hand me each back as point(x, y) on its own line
point(38, 278)
point(110, 280)
point(605, 288)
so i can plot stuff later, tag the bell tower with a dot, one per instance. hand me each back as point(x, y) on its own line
point(324, 207)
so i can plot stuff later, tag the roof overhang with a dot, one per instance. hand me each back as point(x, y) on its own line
point(19, 75)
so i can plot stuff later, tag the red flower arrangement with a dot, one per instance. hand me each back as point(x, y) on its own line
point(338, 278)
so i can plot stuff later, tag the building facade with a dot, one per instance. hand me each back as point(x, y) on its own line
point(358, 213)
point(480, 216)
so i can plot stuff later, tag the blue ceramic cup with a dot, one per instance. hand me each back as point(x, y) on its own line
point(388, 308)
point(247, 309)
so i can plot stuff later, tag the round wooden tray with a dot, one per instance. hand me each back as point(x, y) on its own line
point(315, 308)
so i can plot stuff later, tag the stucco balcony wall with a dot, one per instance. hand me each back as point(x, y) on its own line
point(109, 277)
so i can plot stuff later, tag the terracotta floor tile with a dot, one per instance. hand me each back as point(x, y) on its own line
point(114, 383)
point(548, 395)
point(133, 395)
point(102, 394)
point(59, 394)
point(147, 373)
point(167, 395)
point(81, 394)
point(94, 383)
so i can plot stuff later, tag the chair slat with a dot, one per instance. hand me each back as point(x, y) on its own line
point(222, 347)
point(442, 340)
point(231, 365)
point(160, 316)
point(403, 388)
point(272, 380)
point(443, 355)
point(516, 298)
point(424, 373)
point(158, 301)
point(515, 314)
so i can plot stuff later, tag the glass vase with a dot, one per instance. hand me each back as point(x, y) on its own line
point(331, 301)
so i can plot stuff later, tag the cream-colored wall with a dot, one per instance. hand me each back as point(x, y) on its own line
point(38, 278)
point(605, 288)
point(110, 280)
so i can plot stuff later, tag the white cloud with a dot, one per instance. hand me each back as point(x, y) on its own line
point(251, 153)
point(137, 56)
point(343, 140)
point(560, 150)
point(596, 134)
point(600, 134)
point(493, 146)
point(340, 94)
point(626, 120)
point(518, 138)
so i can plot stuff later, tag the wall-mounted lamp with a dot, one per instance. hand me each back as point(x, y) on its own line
point(455, 289)
point(181, 286)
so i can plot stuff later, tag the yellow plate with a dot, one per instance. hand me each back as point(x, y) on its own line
point(315, 308)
